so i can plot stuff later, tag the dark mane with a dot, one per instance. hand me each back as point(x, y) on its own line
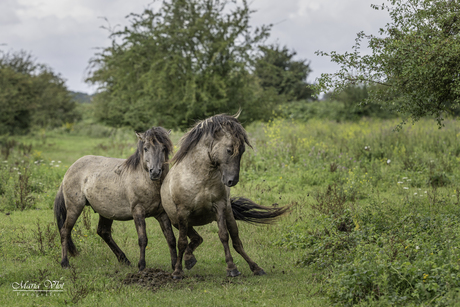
point(155, 135)
point(211, 126)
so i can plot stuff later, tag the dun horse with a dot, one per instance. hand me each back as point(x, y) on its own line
point(117, 189)
point(196, 190)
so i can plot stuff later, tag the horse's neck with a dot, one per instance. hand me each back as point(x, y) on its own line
point(198, 162)
point(139, 176)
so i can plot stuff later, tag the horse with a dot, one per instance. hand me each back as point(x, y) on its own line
point(196, 190)
point(118, 189)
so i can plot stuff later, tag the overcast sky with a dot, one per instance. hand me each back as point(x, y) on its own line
point(65, 34)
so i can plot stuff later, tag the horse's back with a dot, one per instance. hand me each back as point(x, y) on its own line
point(92, 167)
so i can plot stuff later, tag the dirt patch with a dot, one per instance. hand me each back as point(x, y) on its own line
point(150, 278)
point(154, 279)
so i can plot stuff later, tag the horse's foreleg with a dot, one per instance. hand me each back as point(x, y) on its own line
point(182, 246)
point(195, 241)
point(104, 230)
point(166, 227)
point(139, 221)
point(232, 271)
point(238, 245)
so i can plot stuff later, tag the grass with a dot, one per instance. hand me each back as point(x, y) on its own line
point(100, 275)
point(359, 212)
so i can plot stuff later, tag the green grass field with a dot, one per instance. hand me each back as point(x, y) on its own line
point(374, 221)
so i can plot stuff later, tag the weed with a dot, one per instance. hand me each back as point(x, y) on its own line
point(86, 216)
point(79, 287)
point(330, 202)
point(7, 146)
point(46, 239)
point(24, 199)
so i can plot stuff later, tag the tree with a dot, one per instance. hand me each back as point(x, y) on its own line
point(278, 71)
point(189, 60)
point(31, 94)
point(415, 62)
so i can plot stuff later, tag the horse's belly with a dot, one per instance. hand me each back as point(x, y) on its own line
point(201, 218)
point(110, 203)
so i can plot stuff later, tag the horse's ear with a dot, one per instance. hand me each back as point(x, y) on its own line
point(140, 136)
point(237, 113)
point(169, 131)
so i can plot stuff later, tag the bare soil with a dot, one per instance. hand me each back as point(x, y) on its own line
point(149, 278)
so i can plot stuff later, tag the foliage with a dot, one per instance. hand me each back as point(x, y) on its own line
point(31, 95)
point(380, 227)
point(414, 64)
point(277, 71)
point(188, 60)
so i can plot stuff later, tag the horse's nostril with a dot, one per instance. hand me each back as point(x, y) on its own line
point(155, 173)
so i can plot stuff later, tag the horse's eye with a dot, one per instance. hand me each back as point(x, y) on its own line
point(145, 149)
point(229, 151)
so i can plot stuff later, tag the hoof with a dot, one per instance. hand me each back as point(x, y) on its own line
point(65, 264)
point(125, 261)
point(260, 272)
point(141, 265)
point(233, 273)
point(190, 263)
point(177, 275)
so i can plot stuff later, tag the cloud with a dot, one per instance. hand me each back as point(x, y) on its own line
point(65, 33)
point(8, 13)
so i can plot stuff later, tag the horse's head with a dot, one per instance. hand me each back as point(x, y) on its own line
point(223, 138)
point(154, 151)
point(225, 154)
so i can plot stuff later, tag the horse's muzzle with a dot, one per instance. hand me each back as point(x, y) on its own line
point(230, 182)
point(155, 174)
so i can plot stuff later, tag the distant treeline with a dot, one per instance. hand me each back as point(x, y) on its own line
point(188, 60)
point(31, 95)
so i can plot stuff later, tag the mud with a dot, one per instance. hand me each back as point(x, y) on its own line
point(154, 279)
point(150, 278)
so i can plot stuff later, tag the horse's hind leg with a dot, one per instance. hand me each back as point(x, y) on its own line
point(232, 270)
point(66, 232)
point(238, 245)
point(195, 241)
point(104, 230)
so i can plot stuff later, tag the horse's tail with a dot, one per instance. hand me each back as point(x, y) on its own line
point(248, 211)
point(60, 213)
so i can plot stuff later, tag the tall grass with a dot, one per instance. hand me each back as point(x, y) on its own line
point(381, 222)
